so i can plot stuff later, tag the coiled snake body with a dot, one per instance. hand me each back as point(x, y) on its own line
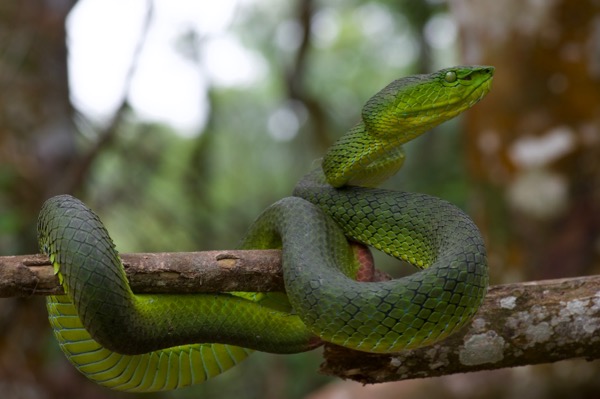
point(159, 342)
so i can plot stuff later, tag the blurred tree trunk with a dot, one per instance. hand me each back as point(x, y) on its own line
point(533, 144)
point(37, 144)
point(36, 130)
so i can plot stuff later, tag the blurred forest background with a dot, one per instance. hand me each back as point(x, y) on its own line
point(179, 123)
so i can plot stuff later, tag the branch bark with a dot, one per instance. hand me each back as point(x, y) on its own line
point(181, 272)
point(518, 324)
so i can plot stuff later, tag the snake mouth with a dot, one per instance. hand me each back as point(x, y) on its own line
point(479, 91)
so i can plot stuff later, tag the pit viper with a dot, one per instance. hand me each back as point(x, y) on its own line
point(159, 342)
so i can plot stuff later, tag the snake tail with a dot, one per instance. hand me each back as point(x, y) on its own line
point(159, 370)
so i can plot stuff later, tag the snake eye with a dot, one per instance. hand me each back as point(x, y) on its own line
point(450, 77)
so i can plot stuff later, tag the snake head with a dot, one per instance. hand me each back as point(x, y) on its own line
point(412, 105)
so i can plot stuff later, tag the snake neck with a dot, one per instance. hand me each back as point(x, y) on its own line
point(360, 159)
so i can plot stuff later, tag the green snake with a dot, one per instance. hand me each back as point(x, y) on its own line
point(159, 342)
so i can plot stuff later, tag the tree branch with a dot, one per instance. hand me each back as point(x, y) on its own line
point(181, 272)
point(518, 324)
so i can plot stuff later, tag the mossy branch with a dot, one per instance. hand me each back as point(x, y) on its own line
point(517, 325)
